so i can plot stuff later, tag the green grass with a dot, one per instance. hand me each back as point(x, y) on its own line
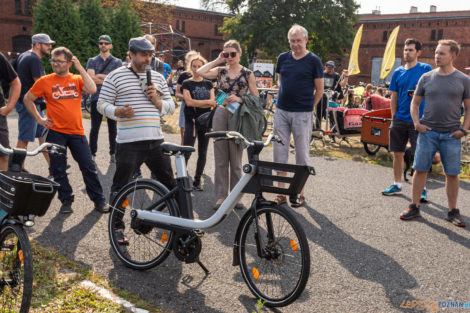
point(57, 286)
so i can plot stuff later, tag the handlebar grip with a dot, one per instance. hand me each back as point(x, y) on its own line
point(216, 134)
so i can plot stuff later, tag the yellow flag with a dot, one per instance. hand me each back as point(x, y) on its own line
point(389, 54)
point(353, 67)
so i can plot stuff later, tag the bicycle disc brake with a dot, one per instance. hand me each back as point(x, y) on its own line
point(187, 247)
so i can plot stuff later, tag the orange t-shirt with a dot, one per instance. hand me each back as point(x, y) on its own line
point(63, 97)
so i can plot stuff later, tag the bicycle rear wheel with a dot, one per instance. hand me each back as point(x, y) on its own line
point(16, 270)
point(280, 275)
point(140, 246)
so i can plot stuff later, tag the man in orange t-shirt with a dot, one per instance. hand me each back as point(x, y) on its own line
point(63, 92)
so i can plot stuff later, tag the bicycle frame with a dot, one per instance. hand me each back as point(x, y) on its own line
point(229, 203)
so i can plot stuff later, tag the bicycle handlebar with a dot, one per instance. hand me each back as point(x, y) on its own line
point(55, 149)
point(234, 135)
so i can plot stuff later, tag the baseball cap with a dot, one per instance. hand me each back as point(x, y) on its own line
point(140, 44)
point(42, 38)
point(105, 37)
point(330, 64)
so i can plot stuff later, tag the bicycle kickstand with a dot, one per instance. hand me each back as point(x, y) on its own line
point(203, 267)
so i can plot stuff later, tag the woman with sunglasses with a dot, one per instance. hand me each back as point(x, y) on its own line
point(198, 94)
point(236, 81)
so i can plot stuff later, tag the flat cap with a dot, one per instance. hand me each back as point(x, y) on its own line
point(42, 38)
point(105, 37)
point(140, 44)
point(330, 64)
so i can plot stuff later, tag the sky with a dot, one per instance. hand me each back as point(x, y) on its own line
point(385, 6)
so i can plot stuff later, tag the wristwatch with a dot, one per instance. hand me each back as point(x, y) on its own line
point(465, 133)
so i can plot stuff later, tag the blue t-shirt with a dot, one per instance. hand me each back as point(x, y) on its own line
point(97, 63)
point(166, 70)
point(404, 80)
point(297, 81)
point(29, 66)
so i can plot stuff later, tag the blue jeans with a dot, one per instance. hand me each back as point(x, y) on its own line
point(429, 143)
point(80, 150)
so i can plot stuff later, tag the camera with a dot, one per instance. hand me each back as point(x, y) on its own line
point(411, 93)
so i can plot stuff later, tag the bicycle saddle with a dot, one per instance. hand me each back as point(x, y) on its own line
point(173, 148)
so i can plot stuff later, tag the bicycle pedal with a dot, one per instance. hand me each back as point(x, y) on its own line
point(200, 233)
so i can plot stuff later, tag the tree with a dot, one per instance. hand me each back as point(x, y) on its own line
point(263, 24)
point(61, 21)
point(124, 24)
point(94, 23)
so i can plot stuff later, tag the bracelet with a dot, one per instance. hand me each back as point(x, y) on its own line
point(465, 133)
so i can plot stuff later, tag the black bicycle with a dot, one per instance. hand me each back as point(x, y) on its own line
point(23, 196)
point(147, 221)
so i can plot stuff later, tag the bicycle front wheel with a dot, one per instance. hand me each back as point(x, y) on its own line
point(140, 246)
point(276, 269)
point(16, 270)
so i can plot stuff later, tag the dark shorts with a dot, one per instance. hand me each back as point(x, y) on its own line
point(4, 133)
point(400, 133)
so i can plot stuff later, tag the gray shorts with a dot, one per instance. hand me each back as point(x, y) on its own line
point(299, 124)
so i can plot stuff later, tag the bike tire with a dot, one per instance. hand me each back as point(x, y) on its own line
point(265, 125)
point(281, 278)
point(147, 246)
point(16, 275)
point(371, 149)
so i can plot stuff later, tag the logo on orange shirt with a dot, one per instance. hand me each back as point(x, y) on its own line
point(68, 92)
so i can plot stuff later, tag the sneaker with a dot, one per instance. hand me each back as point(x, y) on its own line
point(393, 189)
point(113, 158)
point(424, 196)
point(66, 207)
point(411, 212)
point(102, 207)
point(454, 217)
point(197, 186)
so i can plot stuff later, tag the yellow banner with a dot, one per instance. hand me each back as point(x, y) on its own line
point(389, 54)
point(353, 67)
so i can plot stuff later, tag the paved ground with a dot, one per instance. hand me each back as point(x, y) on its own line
point(363, 258)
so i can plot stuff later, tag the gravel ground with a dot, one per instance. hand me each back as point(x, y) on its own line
point(363, 258)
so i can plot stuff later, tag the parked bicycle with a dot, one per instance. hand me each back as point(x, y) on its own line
point(23, 196)
point(268, 98)
point(147, 222)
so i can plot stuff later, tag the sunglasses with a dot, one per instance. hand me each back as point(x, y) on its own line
point(104, 43)
point(231, 54)
point(57, 61)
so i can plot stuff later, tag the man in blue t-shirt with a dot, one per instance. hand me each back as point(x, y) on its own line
point(98, 68)
point(30, 68)
point(403, 83)
point(300, 79)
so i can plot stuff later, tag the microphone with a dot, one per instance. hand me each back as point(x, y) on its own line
point(149, 75)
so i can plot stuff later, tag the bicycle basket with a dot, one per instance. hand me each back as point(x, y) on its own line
point(24, 194)
point(268, 172)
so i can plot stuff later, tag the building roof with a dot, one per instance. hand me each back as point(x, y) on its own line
point(374, 18)
point(204, 11)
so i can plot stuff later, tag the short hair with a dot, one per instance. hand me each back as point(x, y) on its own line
point(232, 43)
point(296, 28)
point(453, 45)
point(152, 37)
point(62, 50)
point(416, 42)
point(197, 57)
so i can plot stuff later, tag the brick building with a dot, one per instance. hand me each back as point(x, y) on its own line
point(201, 27)
point(428, 27)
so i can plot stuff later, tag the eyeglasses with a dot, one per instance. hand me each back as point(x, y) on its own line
point(104, 43)
point(231, 54)
point(57, 61)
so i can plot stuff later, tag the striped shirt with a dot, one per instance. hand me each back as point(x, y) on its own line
point(121, 87)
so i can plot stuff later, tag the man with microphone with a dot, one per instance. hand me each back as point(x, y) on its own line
point(137, 96)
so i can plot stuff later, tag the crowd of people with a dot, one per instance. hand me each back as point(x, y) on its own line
point(134, 95)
